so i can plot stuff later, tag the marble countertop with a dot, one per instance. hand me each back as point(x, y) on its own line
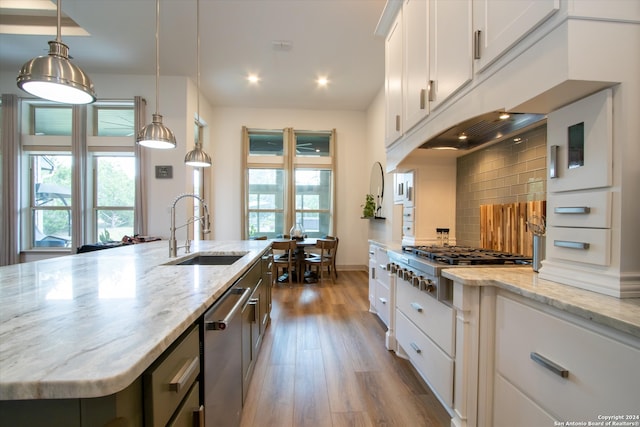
point(88, 325)
point(620, 314)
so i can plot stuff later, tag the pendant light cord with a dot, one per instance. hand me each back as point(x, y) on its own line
point(59, 29)
point(157, 56)
point(199, 144)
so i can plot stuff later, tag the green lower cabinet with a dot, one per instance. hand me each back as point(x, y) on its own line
point(123, 409)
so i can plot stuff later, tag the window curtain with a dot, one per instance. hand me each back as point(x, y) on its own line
point(10, 165)
point(140, 213)
point(79, 177)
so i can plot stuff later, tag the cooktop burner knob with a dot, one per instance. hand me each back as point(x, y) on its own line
point(430, 286)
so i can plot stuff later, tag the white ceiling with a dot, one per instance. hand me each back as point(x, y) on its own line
point(332, 38)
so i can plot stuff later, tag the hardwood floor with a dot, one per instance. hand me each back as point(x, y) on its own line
point(323, 363)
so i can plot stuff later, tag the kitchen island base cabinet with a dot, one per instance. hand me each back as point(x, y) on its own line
point(121, 409)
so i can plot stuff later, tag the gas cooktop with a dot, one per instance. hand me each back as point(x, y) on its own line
point(465, 255)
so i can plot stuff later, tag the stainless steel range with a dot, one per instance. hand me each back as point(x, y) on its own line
point(421, 266)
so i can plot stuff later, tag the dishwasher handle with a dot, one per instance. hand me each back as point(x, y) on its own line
point(221, 325)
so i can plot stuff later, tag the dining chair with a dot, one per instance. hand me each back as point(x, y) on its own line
point(324, 261)
point(333, 255)
point(283, 258)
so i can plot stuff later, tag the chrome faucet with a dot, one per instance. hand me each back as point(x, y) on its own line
point(204, 219)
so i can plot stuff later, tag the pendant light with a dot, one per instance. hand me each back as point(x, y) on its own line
point(155, 134)
point(54, 77)
point(197, 157)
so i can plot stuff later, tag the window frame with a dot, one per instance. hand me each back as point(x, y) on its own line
point(289, 162)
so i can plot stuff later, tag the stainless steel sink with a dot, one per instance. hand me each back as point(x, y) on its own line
point(210, 260)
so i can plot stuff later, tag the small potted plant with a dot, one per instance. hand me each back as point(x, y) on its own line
point(369, 207)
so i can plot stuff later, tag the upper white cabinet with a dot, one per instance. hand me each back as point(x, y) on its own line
point(450, 48)
point(428, 58)
point(580, 139)
point(499, 24)
point(393, 81)
point(416, 62)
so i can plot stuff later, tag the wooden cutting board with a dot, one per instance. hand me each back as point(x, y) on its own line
point(504, 227)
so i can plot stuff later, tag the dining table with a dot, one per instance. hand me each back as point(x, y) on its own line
point(299, 253)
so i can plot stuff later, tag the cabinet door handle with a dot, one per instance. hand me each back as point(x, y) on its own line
point(570, 245)
point(416, 307)
point(553, 161)
point(181, 379)
point(397, 122)
point(382, 300)
point(423, 93)
point(476, 44)
point(373, 272)
point(409, 193)
point(432, 90)
point(253, 302)
point(415, 347)
point(198, 417)
point(553, 367)
point(572, 210)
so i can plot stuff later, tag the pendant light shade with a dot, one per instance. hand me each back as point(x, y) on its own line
point(155, 134)
point(197, 157)
point(55, 77)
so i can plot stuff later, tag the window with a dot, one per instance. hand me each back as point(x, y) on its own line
point(50, 200)
point(289, 180)
point(114, 197)
point(106, 211)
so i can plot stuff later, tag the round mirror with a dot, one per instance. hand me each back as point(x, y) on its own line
point(376, 184)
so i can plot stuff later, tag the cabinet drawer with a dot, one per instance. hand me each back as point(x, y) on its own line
point(428, 358)
point(185, 415)
point(383, 302)
point(588, 245)
point(512, 408)
point(434, 318)
point(597, 381)
point(408, 214)
point(591, 209)
point(169, 379)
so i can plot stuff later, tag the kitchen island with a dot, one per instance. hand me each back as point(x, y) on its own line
point(89, 325)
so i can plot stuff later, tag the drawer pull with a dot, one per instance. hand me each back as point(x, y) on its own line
point(553, 367)
point(570, 245)
point(198, 417)
point(572, 210)
point(415, 347)
point(382, 300)
point(416, 307)
point(383, 267)
point(553, 161)
point(184, 374)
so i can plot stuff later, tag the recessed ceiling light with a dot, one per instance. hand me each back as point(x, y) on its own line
point(253, 78)
point(322, 81)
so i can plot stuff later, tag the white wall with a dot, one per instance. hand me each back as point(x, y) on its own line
point(379, 230)
point(352, 173)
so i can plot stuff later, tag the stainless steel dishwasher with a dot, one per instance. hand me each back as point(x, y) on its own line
point(222, 359)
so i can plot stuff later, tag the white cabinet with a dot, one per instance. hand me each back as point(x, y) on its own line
point(580, 208)
point(393, 82)
point(580, 140)
point(450, 48)
point(428, 57)
point(500, 24)
point(425, 333)
point(416, 62)
point(559, 369)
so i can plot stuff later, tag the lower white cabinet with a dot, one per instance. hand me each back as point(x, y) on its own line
point(549, 367)
point(424, 329)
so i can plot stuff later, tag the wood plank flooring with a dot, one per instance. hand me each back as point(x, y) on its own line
point(323, 363)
